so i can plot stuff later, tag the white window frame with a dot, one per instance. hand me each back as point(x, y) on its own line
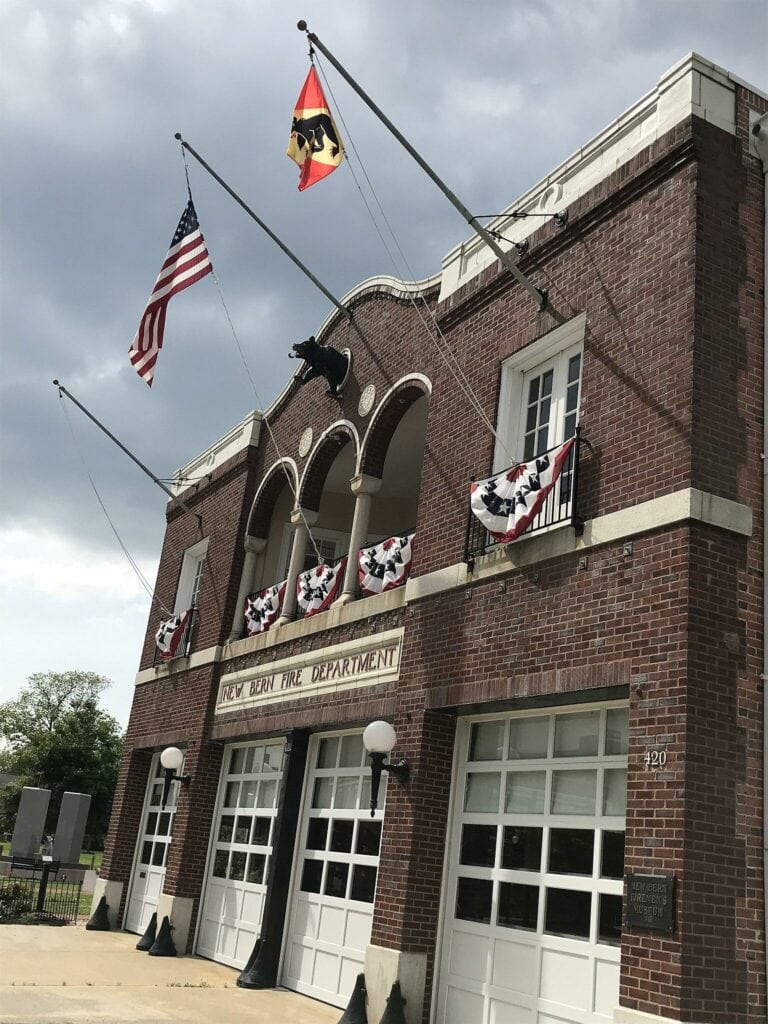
point(189, 578)
point(554, 351)
point(341, 541)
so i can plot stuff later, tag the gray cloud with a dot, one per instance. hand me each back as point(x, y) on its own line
point(493, 93)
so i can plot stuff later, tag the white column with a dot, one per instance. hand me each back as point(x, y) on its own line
point(363, 487)
point(253, 548)
point(300, 520)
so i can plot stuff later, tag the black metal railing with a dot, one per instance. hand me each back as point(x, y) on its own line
point(185, 643)
point(560, 506)
point(34, 892)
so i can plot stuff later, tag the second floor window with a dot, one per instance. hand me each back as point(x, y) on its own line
point(330, 543)
point(190, 577)
point(539, 397)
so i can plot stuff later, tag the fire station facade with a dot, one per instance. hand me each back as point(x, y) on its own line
point(580, 838)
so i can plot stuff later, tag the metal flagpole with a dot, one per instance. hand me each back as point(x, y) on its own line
point(539, 295)
point(263, 226)
point(198, 518)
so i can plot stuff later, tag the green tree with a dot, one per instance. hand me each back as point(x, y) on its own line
point(58, 738)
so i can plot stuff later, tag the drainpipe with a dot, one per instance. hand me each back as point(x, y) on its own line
point(302, 520)
point(760, 142)
point(253, 548)
point(363, 487)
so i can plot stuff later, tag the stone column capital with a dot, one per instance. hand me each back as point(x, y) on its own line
point(254, 545)
point(365, 484)
point(300, 516)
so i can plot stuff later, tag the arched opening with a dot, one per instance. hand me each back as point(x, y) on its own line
point(325, 490)
point(394, 452)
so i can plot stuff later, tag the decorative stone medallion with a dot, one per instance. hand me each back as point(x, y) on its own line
point(367, 398)
point(305, 442)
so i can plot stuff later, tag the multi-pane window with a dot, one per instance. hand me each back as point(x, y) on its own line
point(330, 543)
point(156, 835)
point(550, 403)
point(190, 577)
point(539, 395)
point(541, 844)
point(341, 850)
point(243, 839)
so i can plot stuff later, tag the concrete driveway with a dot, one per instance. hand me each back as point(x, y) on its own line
point(70, 976)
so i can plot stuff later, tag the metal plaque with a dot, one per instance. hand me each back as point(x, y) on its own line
point(651, 902)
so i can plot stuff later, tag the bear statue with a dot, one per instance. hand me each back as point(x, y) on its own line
point(322, 361)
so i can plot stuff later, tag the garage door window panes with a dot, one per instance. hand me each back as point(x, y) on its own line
point(244, 838)
point(536, 867)
point(241, 841)
point(553, 859)
point(342, 846)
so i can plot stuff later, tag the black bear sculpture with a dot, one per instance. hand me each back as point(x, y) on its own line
point(322, 361)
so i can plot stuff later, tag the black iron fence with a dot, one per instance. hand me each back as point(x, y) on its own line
point(34, 892)
point(560, 506)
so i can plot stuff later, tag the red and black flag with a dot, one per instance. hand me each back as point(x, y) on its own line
point(314, 144)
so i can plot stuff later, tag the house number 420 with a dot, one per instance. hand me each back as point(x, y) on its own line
point(655, 759)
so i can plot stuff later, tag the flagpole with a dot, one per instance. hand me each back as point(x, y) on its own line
point(539, 295)
point(263, 226)
point(198, 518)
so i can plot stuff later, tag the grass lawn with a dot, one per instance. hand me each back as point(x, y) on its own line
point(87, 859)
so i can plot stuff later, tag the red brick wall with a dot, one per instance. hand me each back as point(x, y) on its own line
point(665, 256)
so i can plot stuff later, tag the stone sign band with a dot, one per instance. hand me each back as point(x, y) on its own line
point(363, 662)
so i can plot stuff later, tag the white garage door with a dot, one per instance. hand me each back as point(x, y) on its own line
point(241, 844)
point(534, 892)
point(336, 869)
point(152, 851)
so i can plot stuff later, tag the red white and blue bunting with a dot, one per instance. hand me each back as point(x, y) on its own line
point(385, 565)
point(262, 611)
point(506, 504)
point(317, 588)
point(169, 634)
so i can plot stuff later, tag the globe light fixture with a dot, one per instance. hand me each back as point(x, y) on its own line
point(378, 739)
point(171, 760)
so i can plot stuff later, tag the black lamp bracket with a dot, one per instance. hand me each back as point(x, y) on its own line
point(401, 771)
point(171, 776)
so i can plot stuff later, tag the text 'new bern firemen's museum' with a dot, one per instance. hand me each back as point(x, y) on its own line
point(578, 692)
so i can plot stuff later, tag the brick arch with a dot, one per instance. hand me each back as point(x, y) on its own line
point(328, 446)
point(269, 491)
point(385, 420)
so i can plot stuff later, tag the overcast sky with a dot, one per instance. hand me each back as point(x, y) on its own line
point(494, 93)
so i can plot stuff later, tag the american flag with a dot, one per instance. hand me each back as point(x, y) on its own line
point(187, 261)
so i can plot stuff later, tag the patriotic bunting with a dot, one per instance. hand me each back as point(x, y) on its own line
point(263, 610)
point(314, 144)
point(187, 262)
point(386, 565)
point(317, 588)
point(169, 635)
point(506, 504)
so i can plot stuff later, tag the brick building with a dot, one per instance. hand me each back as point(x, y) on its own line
point(580, 839)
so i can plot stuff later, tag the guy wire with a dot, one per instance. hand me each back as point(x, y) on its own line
point(450, 360)
point(259, 401)
point(147, 586)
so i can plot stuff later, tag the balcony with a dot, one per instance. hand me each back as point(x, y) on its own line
point(559, 506)
point(179, 642)
point(387, 569)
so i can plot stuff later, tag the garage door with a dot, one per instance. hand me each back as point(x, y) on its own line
point(534, 892)
point(241, 844)
point(336, 869)
point(152, 851)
